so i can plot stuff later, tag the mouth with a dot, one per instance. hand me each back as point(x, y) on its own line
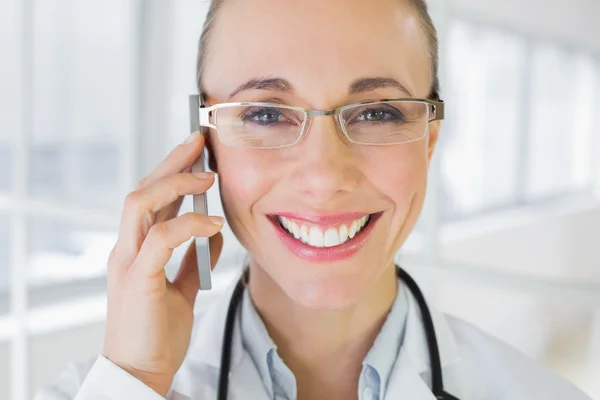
point(324, 239)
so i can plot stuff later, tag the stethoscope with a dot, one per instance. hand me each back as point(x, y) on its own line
point(437, 383)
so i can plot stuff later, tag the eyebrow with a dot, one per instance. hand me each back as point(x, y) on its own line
point(282, 85)
point(362, 85)
point(265, 83)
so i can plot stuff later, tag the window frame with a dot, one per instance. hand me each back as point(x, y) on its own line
point(151, 25)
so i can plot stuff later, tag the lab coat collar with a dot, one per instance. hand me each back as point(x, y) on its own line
point(415, 343)
point(410, 373)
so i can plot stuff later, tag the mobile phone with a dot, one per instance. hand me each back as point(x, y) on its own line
point(199, 200)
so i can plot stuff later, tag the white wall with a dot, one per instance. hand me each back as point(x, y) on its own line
point(574, 21)
point(554, 245)
point(549, 243)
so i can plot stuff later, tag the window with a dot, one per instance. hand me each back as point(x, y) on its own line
point(552, 118)
point(561, 121)
point(83, 101)
point(479, 161)
point(69, 111)
point(519, 125)
point(586, 77)
point(9, 94)
point(65, 157)
point(10, 122)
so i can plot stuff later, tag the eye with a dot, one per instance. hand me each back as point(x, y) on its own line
point(263, 115)
point(379, 114)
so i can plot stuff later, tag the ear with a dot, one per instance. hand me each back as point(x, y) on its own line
point(212, 160)
point(434, 132)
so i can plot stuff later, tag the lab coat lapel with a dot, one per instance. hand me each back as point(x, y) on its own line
point(207, 335)
point(205, 351)
point(406, 381)
point(411, 373)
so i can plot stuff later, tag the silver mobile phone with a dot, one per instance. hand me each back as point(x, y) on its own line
point(200, 207)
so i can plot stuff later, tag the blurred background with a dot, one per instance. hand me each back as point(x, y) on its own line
point(94, 93)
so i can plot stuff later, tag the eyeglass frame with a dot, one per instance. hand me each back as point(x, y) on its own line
point(438, 108)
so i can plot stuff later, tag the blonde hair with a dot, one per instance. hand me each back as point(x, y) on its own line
point(420, 7)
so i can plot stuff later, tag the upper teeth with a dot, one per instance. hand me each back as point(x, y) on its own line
point(323, 237)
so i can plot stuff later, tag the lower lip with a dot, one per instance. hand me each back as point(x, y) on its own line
point(325, 254)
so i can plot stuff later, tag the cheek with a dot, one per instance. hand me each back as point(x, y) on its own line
point(401, 177)
point(244, 178)
point(241, 181)
point(399, 172)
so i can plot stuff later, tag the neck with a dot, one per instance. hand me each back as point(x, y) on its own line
point(323, 348)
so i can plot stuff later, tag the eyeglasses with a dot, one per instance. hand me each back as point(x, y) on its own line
point(272, 125)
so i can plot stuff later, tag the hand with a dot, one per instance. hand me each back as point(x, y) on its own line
point(150, 319)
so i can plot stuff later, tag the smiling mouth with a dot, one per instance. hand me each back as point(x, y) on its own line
point(319, 236)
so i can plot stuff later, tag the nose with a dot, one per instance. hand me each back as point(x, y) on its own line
point(327, 163)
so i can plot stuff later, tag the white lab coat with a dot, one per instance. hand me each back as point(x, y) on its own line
point(475, 366)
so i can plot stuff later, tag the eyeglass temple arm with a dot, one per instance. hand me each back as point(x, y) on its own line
point(196, 101)
point(440, 110)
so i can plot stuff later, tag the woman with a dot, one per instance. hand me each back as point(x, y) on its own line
point(321, 201)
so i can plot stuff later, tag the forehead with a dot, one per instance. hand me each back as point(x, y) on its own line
point(320, 46)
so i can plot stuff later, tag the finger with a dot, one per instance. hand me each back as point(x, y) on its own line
point(178, 160)
point(142, 205)
point(187, 280)
point(170, 211)
point(163, 238)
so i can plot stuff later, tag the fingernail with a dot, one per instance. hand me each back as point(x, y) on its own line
point(204, 175)
point(217, 220)
point(192, 137)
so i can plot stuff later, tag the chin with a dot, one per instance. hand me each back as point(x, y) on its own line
point(328, 287)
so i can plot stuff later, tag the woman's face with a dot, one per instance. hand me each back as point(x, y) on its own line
point(321, 48)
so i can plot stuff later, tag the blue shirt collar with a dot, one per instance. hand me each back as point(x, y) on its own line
point(379, 361)
point(278, 379)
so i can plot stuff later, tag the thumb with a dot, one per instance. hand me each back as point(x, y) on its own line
point(187, 280)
